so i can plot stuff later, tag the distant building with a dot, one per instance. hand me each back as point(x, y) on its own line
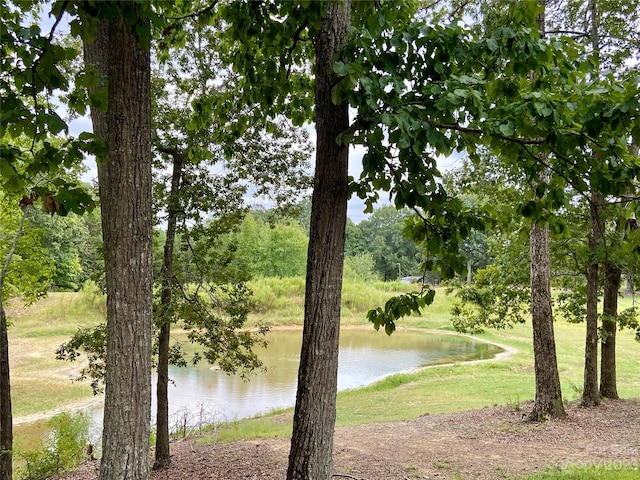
point(412, 279)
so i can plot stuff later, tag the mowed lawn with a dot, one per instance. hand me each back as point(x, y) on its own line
point(41, 383)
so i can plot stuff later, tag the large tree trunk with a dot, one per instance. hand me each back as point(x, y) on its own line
point(163, 458)
point(548, 401)
point(6, 416)
point(125, 195)
point(608, 381)
point(590, 394)
point(6, 413)
point(315, 412)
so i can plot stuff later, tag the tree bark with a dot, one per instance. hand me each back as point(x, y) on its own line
point(125, 194)
point(315, 411)
point(548, 401)
point(6, 412)
point(590, 394)
point(6, 416)
point(608, 380)
point(162, 457)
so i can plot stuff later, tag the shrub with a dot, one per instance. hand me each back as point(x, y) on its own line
point(64, 449)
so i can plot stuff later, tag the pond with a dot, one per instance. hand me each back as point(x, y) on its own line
point(203, 394)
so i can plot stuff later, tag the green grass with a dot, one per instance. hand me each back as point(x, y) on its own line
point(588, 472)
point(41, 383)
point(462, 386)
point(280, 301)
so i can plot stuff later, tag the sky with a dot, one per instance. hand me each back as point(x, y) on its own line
point(355, 206)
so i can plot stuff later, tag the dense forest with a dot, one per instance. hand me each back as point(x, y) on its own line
point(200, 110)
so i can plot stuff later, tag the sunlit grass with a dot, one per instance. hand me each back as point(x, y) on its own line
point(39, 393)
point(59, 313)
point(463, 386)
point(587, 472)
point(41, 383)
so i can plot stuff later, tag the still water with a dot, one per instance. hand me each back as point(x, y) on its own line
point(365, 356)
point(202, 394)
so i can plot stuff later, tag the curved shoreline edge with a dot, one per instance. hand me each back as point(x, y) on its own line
point(96, 400)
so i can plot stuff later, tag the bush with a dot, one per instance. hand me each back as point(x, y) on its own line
point(64, 449)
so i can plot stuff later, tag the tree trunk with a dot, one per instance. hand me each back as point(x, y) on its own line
point(548, 401)
point(469, 271)
point(125, 195)
point(608, 381)
point(629, 290)
point(6, 412)
point(590, 394)
point(163, 458)
point(314, 418)
point(6, 416)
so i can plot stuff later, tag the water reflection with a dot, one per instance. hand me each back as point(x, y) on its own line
point(365, 356)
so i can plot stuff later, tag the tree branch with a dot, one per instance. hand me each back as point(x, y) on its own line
point(207, 9)
point(296, 39)
point(14, 245)
point(173, 151)
point(58, 18)
point(346, 475)
point(567, 32)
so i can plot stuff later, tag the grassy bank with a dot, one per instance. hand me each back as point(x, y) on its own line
point(40, 383)
point(463, 386)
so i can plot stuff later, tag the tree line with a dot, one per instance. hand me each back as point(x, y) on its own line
point(549, 101)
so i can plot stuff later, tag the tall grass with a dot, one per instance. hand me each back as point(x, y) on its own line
point(59, 314)
point(280, 301)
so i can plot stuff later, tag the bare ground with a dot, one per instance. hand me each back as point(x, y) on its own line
point(487, 444)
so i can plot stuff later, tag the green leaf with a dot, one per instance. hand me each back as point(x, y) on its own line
point(529, 209)
point(336, 95)
point(507, 129)
point(55, 123)
point(341, 68)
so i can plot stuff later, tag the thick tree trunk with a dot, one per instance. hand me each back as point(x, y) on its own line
point(548, 401)
point(469, 271)
point(311, 452)
point(125, 196)
point(608, 381)
point(6, 416)
point(590, 394)
point(6, 412)
point(163, 458)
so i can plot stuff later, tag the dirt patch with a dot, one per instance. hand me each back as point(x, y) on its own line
point(487, 444)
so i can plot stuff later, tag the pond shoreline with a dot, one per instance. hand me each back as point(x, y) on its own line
point(95, 401)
